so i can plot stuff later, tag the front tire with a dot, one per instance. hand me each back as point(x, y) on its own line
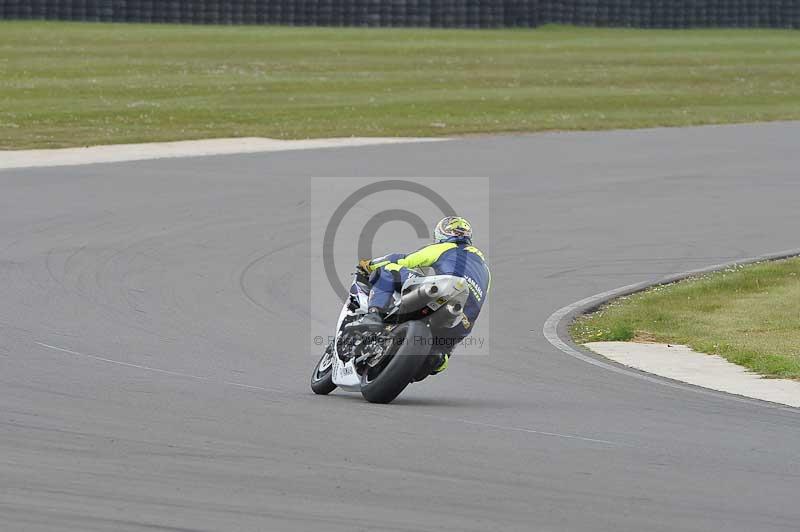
point(408, 351)
point(322, 377)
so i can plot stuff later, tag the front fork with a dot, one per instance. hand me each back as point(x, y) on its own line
point(355, 305)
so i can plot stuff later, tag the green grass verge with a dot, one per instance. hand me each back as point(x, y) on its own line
point(749, 315)
point(67, 84)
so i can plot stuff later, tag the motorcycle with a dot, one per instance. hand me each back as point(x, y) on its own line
point(380, 365)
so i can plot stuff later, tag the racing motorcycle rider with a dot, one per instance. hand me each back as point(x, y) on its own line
point(451, 253)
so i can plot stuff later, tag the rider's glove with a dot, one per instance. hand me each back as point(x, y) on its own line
point(363, 270)
point(364, 266)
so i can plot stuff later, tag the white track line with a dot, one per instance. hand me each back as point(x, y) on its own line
point(522, 429)
point(261, 388)
point(555, 328)
point(155, 370)
point(186, 148)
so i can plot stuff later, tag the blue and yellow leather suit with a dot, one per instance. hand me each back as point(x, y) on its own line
point(458, 258)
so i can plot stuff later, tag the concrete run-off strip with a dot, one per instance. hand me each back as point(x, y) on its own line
point(681, 363)
point(185, 148)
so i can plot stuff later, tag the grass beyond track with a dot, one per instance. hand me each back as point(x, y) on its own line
point(749, 315)
point(71, 84)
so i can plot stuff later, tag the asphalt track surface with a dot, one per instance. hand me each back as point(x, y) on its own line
point(174, 396)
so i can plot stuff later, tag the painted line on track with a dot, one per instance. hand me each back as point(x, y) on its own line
point(272, 390)
point(523, 429)
point(556, 331)
point(156, 370)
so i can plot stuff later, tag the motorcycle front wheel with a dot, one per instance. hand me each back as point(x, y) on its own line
point(406, 352)
point(322, 377)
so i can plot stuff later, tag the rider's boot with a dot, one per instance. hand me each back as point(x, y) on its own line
point(370, 322)
point(435, 365)
point(441, 364)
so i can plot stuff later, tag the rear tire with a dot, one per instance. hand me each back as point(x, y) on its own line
point(411, 345)
point(322, 377)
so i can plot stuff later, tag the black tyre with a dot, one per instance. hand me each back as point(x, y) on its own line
point(407, 352)
point(322, 378)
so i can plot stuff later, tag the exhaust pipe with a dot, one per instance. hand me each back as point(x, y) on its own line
point(418, 298)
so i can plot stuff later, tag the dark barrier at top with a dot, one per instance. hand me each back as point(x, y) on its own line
point(424, 13)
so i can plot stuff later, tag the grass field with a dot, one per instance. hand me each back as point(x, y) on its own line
point(749, 315)
point(69, 84)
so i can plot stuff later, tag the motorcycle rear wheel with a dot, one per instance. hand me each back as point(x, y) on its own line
point(406, 353)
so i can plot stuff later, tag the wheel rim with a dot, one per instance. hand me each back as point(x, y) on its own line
point(324, 366)
point(373, 373)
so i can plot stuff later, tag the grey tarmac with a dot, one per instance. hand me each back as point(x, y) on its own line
point(154, 369)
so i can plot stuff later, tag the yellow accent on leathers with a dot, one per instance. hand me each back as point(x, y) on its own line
point(426, 256)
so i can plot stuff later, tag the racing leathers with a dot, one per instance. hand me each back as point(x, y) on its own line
point(460, 258)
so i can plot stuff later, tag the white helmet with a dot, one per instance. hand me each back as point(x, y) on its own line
point(452, 229)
